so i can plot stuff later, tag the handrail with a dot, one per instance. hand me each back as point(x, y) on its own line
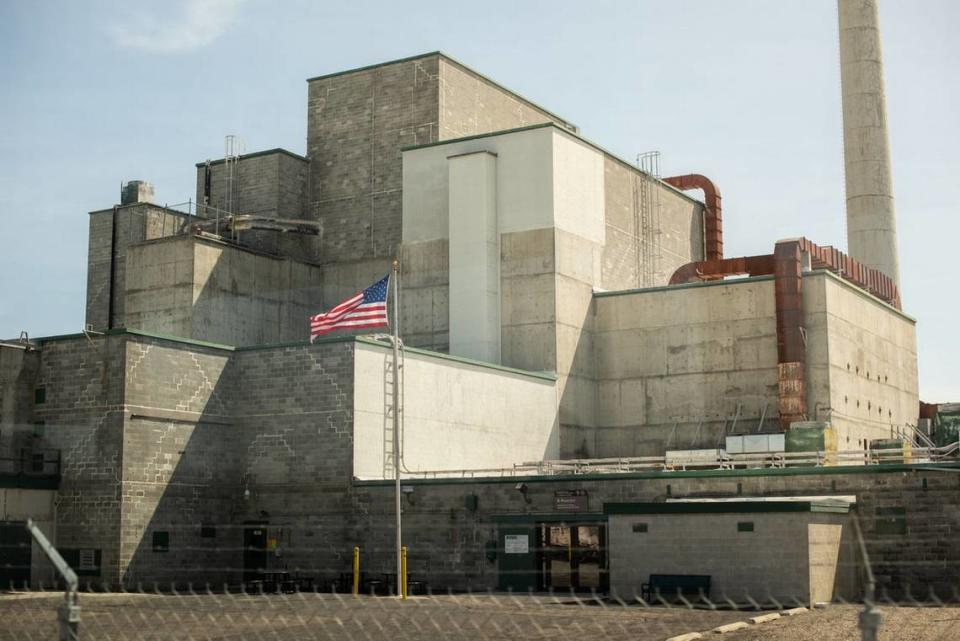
point(723, 461)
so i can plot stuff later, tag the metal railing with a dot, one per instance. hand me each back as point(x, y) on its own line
point(722, 461)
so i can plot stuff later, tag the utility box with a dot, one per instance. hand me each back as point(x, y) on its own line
point(892, 450)
point(755, 443)
point(812, 436)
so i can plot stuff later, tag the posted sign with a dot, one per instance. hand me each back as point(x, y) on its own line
point(571, 501)
point(516, 543)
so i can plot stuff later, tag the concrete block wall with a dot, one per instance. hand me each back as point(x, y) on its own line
point(112, 232)
point(296, 414)
point(269, 183)
point(83, 418)
point(181, 462)
point(357, 123)
point(18, 372)
point(472, 104)
point(447, 542)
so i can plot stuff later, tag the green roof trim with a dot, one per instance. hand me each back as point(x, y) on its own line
point(670, 288)
point(256, 154)
point(453, 61)
point(668, 476)
point(547, 376)
point(544, 125)
point(724, 507)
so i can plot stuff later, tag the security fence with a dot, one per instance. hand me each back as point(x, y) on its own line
point(571, 597)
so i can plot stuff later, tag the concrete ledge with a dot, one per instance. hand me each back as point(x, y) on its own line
point(763, 618)
point(730, 627)
point(689, 636)
point(794, 612)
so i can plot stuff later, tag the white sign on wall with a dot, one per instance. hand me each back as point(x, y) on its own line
point(516, 543)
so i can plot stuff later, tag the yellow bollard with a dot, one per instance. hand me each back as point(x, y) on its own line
point(403, 572)
point(356, 571)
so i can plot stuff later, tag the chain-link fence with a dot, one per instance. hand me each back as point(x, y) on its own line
point(572, 598)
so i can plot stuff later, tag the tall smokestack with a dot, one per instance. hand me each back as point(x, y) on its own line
point(871, 223)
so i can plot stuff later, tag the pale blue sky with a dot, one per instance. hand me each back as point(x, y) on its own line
point(747, 92)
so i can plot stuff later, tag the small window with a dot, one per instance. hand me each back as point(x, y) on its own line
point(40, 395)
point(208, 532)
point(640, 528)
point(745, 526)
point(890, 520)
point(161, 541)
point(36, 463)
point(39, 428)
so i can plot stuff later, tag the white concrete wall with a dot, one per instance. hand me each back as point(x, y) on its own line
point(39, 505)
point(474, 257)
point(524, 183)
point(457, 415)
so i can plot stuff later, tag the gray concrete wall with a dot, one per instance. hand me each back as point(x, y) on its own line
point(774, 560)
point(205, 290)
point(112, 232)
point(872, 365)
point(673, 238)
point(683, 356)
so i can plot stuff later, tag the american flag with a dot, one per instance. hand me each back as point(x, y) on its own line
point(364, 309)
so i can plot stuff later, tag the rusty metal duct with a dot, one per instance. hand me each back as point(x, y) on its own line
point(787, 264)
point(713, 216)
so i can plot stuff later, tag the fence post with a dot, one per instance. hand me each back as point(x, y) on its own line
point(403, 572)
point(69, 611)
point(356, 571)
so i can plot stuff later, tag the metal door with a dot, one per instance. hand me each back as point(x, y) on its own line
point(15, 554)
point(254, 551)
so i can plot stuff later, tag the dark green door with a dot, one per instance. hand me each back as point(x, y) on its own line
point(14, 555)
point(517, 557)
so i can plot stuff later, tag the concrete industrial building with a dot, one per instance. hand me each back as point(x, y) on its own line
point(557, 304)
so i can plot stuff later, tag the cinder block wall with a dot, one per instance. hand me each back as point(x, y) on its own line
point(359, 120)
point(83, 416)
point(267, 183)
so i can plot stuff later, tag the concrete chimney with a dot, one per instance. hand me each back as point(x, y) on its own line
point(871, 223)
point(136, 191)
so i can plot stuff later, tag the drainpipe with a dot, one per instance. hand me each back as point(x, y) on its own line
point(713, 220)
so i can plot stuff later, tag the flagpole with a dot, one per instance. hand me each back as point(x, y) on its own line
point(396, 414)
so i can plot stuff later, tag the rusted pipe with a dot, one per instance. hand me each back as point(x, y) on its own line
point(713, 219)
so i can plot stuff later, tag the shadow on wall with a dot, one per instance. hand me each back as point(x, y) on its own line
point(260, 481)
point(252, 299)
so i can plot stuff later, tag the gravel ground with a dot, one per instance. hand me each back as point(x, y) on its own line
point(839, 623)
point(32, 616)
